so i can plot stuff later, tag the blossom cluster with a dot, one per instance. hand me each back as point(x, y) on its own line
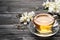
point(53, 6)
point(27, 17)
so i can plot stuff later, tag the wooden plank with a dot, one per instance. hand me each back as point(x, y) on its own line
point(39, 38)
point(8, 11)
point(21, 3)
point(8, 29)
point(21, 0)
point(14, 6)
point(30, 38)
point(8, 19)
point(18, 9)
point(3, 8)
point(12, 34)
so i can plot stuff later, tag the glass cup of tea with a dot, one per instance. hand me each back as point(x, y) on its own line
point(44, 22)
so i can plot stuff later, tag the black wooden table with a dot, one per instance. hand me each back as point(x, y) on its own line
point(8, 20)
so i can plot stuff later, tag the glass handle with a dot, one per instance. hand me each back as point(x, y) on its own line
point(55, 16)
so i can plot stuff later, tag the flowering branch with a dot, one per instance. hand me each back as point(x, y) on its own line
point(52, 6)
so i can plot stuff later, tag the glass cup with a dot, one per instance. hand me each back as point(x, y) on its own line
point(44, 22)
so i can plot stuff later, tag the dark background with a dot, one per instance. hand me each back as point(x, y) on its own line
point(8, 20)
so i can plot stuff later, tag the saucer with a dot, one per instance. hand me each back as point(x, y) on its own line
point(33, 30)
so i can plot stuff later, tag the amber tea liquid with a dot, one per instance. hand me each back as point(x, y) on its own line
point(44, 22)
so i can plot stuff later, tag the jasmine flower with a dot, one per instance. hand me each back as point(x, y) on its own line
point(27, 17)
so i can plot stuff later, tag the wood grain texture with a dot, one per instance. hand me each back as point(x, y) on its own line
point(8, 20)
point(9, 32)
point(19, 5)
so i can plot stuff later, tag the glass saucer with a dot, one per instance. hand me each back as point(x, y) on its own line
point(33, 30)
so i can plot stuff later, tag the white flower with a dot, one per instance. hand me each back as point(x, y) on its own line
point(28, 20)
point(57, 11)
point(46, 4)
point(54, 8)
point(31, 14)
point(50, 9)
point(21, 19)
point(25, 23)
point(25, 14)
point(57, 1)
point(26, 17)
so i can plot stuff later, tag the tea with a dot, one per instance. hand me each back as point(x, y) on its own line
point(44, 22)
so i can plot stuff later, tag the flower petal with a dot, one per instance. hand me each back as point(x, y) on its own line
point(25, 13)
point(31, 13)
point(21, 19)
point(28, 20)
